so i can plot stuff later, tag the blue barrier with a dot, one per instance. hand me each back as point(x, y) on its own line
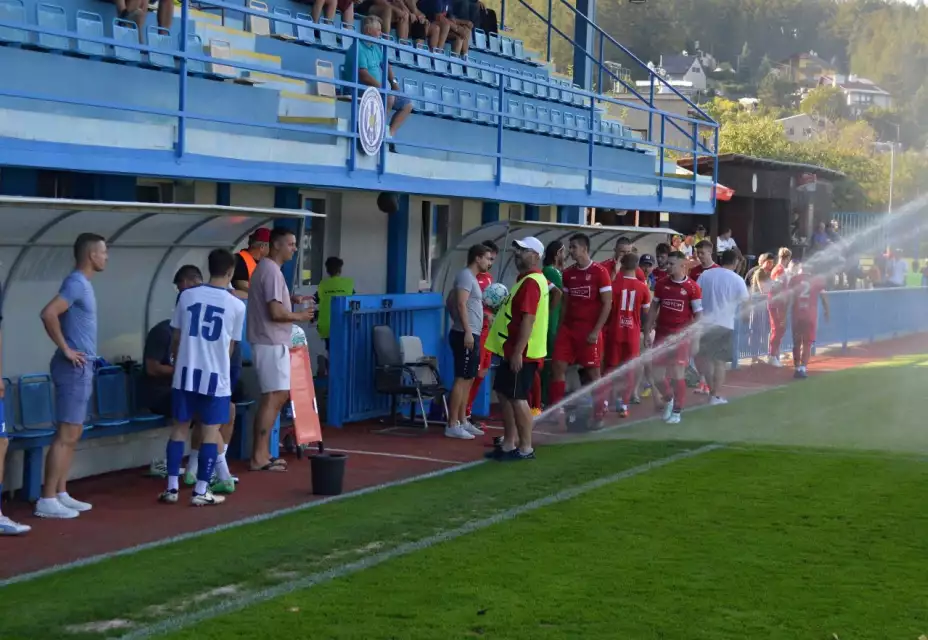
point(856, 316)
point(352, 394)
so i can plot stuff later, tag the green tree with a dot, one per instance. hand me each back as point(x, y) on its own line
point(777, 92)
point(825, 102)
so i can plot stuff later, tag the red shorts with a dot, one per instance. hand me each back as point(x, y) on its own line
point(486, 356)
point(618, 353)
point(679, 354)
point(805, 330)
point(571, 347)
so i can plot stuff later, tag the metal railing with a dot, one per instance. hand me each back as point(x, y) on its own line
point(589, 132)
point(865, 315)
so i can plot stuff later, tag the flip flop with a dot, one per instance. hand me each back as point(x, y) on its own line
point(279, 461)
point(273, 465)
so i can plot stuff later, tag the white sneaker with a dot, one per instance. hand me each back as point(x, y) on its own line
point(207, 499)
point(10, 528)
point(774, 361)
point(673, 419)
point(471, 428)
point(52, 508)
point(668, 411)
point(716, 400)
point(458, 431)
point(77, 505)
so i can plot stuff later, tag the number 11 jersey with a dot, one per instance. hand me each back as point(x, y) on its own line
point(209, 320)
point(630, 297)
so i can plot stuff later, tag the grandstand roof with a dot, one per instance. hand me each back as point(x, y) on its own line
point(705, 165)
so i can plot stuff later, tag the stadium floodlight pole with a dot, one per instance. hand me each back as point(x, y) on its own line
point(892, 170)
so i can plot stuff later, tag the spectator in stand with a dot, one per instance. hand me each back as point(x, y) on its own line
point(247, 259)
point(137, 11)
point(477, 13)
point(392, 13)
point(440, 13)
point(700, 233)
point(346, 7)
point(70, 320)
point(269, 327)
point(369, 58)
point(725, 242)
point(420, 29)
point(7, 526)
point(687, 248)
point(896, 269)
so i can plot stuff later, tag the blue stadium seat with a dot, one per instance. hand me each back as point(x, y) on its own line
point(544, 119)
point(541, 89)
point(304, 30)
point(52, 16)
point(161, 39)
point(455, 66)
point(583, 126)
point(35, 401)
point(328, 39)
point(14, 424)
point(518, 50)
point(468, 104)
point(557, 123)
point(407, 57)
point(281, 29)
point(505, 46)
point(449, 106)
point(431, 97)
point(528, 83)
point(13, 11)
point(442, 65)
point(196, 67)
point(470, 70)
point(127, 32)
point(480, 39)
point(570, 125)
point(345, 36)
point(90, 24)
point(111, 387)
point(493, 43)
point(393, 54)
point(411, 91)
point(513, 82)
point(423, 62)
point(529, 124)
point(496, 78)
point(483, 108)
point(513, 108)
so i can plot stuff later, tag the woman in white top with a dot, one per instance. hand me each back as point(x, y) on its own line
point(725, 242)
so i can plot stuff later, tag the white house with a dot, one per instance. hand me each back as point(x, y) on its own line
point(861, 93)
point(685, 68)
point(802, 127)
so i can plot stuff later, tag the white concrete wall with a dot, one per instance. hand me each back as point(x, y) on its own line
point(363, 241)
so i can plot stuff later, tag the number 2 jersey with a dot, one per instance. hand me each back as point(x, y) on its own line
point(806, 289)
point(630, 296)
point(209, 320)
point(679, 302)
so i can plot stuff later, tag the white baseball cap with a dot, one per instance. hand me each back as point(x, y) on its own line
point(532, 244)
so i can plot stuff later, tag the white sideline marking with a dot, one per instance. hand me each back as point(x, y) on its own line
point(83, 562)
point(401, 456)
point(234, 604)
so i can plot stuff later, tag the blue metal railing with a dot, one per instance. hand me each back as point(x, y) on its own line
point(588, 131)
point(352, 390)
point(856, 316)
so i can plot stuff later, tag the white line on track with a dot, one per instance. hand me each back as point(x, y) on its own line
point(234, 604)
point(401, 456)
point(83, 562)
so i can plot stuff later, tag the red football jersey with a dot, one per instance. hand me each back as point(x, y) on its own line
point(484, 280)
point(696, 271)
point(659, 274)
point(612, 267)
point(583, 288)
point(806, 290)
point(630, 297)
point(679, 302)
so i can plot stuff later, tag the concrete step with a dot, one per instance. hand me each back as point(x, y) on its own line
point(299, 108)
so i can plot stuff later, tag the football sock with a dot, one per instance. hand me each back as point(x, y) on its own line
point(222, 467)
point(208, 453)
point(193, 461)
point(173, 455)
point(558, 388)
point(679, 394)
point(474, 390)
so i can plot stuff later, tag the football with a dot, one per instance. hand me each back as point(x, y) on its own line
point(495, 295)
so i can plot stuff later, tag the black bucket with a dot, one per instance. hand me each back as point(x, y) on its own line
point(328, 473)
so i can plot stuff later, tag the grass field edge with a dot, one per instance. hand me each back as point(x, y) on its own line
point(178, 623)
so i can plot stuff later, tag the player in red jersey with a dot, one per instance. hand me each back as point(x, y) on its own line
point(805, 291)
point(660, 269)
point(630, 297)
point(677, 304)
point(623, 246)
point(486, 358)
point(778, 305)
point(584, 311)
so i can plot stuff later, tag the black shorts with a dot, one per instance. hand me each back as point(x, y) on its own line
point(717, 344)
point(515, 386)
point(466, 360)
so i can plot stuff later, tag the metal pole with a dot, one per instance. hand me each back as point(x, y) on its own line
point(182, 87)
point(550, 19)
point(892, 173)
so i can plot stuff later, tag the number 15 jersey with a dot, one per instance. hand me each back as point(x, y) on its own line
point(209, 320)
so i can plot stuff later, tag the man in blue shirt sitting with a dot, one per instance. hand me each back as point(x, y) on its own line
point(370, 63)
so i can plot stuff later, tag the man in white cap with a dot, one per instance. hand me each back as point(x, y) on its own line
point(519, 335)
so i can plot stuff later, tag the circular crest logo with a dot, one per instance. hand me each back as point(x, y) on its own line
point(371, 121)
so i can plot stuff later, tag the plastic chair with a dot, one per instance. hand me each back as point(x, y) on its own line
point(128, 32)
point(52, 16)
point(280, 29)
point(466, 99)
point(160, 38)
point(13, 11)
point(90, 25)
point(112, 395)
point(529, 124)
point(449, 107)
point(304, 29)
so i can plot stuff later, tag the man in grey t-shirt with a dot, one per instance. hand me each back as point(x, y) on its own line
point(269, 324)
point(70, 320)
point(465, 305)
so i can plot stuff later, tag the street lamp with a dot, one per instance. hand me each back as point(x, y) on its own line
point(892, 170)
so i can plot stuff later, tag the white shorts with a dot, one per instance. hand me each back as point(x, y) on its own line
point(272, 363)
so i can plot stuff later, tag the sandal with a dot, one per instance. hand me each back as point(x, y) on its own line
point(273, 465)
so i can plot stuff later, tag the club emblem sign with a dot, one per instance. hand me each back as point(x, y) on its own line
point(371, 121)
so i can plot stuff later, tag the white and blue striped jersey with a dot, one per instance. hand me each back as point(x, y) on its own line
point(209, 320)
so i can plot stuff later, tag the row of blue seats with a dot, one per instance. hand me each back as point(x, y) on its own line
point(459, 104)
point(30, 416)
